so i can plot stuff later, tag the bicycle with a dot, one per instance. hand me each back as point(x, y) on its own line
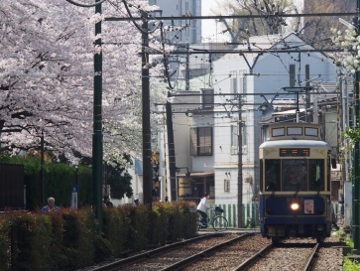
point(217, 221)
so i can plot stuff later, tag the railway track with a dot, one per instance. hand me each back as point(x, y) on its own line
point(232, 252)
point(170, 256)
point(293, 255)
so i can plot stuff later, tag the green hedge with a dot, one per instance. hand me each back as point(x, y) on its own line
point(70, 239)
point(59, 179)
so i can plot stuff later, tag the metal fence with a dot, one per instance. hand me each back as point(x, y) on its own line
point(250, 214)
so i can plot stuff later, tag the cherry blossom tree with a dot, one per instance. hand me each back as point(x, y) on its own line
point(349, 40)
point(46, 78)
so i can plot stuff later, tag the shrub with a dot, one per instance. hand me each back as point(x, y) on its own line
point(71, 239)
point(116, 227)
point(159, 224)
point(33, 242)
point(176, 224)
point(5, 253)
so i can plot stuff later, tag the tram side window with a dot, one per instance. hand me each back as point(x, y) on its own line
point(272, 174)
point(316, 174)
point(294, 172)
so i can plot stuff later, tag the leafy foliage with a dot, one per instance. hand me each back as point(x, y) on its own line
point(119, 179)
point(353, 135)
point(350, 265)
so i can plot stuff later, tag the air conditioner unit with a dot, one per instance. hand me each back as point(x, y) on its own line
point(248, 180)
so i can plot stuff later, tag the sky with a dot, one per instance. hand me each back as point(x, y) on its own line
point(210, 28)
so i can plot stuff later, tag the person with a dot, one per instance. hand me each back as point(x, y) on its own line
point(202, 208)
point(50, 206)
point(107, 201)
point(136, 202)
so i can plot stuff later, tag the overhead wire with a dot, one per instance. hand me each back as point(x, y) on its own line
point(86, 5)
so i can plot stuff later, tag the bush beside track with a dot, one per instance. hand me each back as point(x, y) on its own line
point(71, 239)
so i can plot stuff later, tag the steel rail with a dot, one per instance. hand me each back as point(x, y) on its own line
point(249, 262)
point(187, 261)
point(114, 266)
point(312, 258)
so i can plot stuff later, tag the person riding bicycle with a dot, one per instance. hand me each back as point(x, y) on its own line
point(202, 208)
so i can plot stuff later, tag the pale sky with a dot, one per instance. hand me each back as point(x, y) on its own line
point(210, 29)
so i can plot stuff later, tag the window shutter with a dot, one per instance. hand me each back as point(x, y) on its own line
point(193, 141)
point(205, 141)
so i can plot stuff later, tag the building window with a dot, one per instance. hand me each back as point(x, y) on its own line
point(292, 74)
point(243, 83)
point(187, 8)
point(233, 82)
point(234, 139)
point(226, 185)
point(201, 139)
point(207, 97)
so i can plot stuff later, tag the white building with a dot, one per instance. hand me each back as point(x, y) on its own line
point(258, 77)
point(206, 138)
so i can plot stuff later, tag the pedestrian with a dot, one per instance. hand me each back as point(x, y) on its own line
point(202, 208)
point(50, 206)
point(136, 202)
point(107, 201)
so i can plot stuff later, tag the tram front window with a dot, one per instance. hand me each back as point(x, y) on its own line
point(316, 174)
point(294, 174)
point(272, 175)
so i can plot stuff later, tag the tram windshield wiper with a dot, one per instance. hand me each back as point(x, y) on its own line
point(297, 189)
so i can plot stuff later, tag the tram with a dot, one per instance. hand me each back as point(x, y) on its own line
point(295, 183)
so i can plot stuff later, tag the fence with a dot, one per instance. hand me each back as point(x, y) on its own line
point(11, 186)
point(250, 214)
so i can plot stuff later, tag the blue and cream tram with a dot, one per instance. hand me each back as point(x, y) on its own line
point(295, 182)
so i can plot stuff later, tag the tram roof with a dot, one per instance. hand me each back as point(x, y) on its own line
point(294, 143)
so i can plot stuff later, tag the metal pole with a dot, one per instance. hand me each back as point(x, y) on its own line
point(146, 132)
point(171, 150)
point(97, 151)
point(42, 179)
point(356, 185)
point(187, 69)
point(297, 107)
point(307, 102)
point(240, 185)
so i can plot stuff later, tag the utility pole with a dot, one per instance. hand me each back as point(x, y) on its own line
point(307, 97)
point(187, 69)
point(240, 177)
point(171, 148)
point(356, 179)
point(146, 132)
point(97, 150)
point(42, 179)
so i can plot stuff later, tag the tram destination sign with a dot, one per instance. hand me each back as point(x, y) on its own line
point(294, 152)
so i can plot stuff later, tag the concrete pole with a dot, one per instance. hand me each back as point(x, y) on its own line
point(240, 175)
point(146, 129)
point(97, 151)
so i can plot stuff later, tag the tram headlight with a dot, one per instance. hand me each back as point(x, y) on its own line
point(295, 206)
